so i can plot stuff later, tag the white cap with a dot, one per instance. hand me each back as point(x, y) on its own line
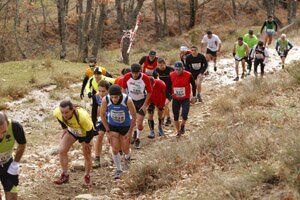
point(283, 35)
point(184, 48)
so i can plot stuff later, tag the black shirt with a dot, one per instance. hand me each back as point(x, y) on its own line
point(164, 75)
point(18, 132)
point(198, 63)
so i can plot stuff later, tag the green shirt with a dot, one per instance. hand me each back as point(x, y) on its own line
point(251, 41)
point(240, 50)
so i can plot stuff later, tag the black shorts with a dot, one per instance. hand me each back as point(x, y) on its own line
point(87, 139)
point(123, 130)
point(185, 108)
point(240, 59)
point(9, 182)
point(138, 105)
point(283, 54)
point(151, 108)
point(210, 52)
point(195, 73)
point(100, 127)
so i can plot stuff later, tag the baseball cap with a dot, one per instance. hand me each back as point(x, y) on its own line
point(183, 48)
point(152, 53)
point(178, 64)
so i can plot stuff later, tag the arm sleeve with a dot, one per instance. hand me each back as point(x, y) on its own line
point(277, 45)
point(188, 64)
point(276, 25)
point(84, 82)
point(262, 28)
point(253, 52)
point(143, 59)
point(290, 45)
point(192, 82)
point(18, 132)
point(204, 64)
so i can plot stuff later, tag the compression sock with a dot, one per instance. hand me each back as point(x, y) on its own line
point(151, 124)
point(160, 122)
point(117, 161)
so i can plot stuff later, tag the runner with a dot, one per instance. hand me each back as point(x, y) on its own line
point(164, 74)
point(240, 53)
point(119, 79)
point(181, 91)
point(103, 91)
point(213, 47)
point(11, 132)
point(184, 52)
point(149, 63)
point(92, 88)
point(251, 40)
point(261, 55)
point(271, 28)
point(283, 46)
point(89, 72)
point(118, 116)
point(77, 125)
point(137, 85)
point(158, 100)
point(196, 64)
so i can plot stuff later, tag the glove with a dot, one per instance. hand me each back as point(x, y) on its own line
point(81, 95)
point(233, 54)
point(13, 168)
point(90, 95)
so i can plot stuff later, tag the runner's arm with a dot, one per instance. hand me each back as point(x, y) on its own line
point(192, 82)
point(142, 60)
point(108, 74)
point(253, 52)
point(103, 114)
point(277, 45)
point(247, 50)
point(276, 25)
point(262, 28)
point(233, 52)
point(84, 82)
point(290, 46)
point(132, 111)
point(19, 135)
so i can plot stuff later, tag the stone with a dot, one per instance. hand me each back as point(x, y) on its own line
point(88, 197)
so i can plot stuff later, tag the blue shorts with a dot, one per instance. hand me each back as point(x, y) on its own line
point(270, 33)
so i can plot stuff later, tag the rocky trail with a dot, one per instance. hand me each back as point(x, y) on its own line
point(40, 163)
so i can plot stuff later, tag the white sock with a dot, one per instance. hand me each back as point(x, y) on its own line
point(127, 156)
point(138, 133)
point(117, 161)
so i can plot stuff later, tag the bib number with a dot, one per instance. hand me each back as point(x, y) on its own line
point(270, 30)
point(196, 66)
point(74, 131)
point(179, 92)
point(118, 116)
point(149, 72)
point(5, 156)
point(136, 89)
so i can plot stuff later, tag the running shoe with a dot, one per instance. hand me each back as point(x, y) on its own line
point(127, 163)
point(168, 122)
point(199, 98)
point(206, 73)
point(178, 134)
point(151, 135)
point(182, 130)
point(62, 179)
point(87, 180)
point(137, 143)
point(161, 131)
point(215, 68)
point(117, 174)
point(96, 164)
point(236, 79)
point(249, 73)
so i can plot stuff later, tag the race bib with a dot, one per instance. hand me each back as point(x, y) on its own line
point(136, 89)
point(118, 116)
point(270, 30)
point(237, 57)
point(5, 156)
point(196, 66)
point(149, 72)
point(74, 131)
point(179, 91)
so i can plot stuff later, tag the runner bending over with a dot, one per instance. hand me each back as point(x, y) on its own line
point(240, 53)
point(77, 125)
point(283, 46)
point(118, 116)
point(11, 132)
point(181, 91)
point(196, 64)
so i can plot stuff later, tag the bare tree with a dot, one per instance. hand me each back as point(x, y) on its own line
point(292, 9)
point(270, 6)
point(127, 12)
point(100, 28)
point(165, 26)
point(85, 36)
point(79, 11)
point(192, 13)
point(178, 7)
point(16, 21)
point(233, 7)
point(61, 8)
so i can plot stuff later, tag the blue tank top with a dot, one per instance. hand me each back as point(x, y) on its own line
point(118, 114)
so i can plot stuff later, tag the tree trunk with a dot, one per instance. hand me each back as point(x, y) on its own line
point(233, 8)
point(44, 15)
point(157, 24)
point(165, 31)
point(93, 21)
point(292, 9)
point(270, 6)
point(79, 11)
point(16, 21)
point(178, 6)
point(126, 14)
point(62, 27)
point(192, 13)
point(85, 44)
point(99, 30)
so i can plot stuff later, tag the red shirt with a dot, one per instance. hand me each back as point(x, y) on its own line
point(149, 68)
point(158, 96)
point(181, 88)
point(137, 89)
point(119, 80)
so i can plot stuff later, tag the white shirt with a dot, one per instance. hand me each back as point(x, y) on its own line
point(212, 43)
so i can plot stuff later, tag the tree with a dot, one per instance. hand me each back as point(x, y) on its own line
point(193, 4)
point(127, 12)
point(61, 11)
point(16, 21)
point(292, 9)
point(178, 8)
point(100, 28)
point(84, 51)
point(270, 6)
